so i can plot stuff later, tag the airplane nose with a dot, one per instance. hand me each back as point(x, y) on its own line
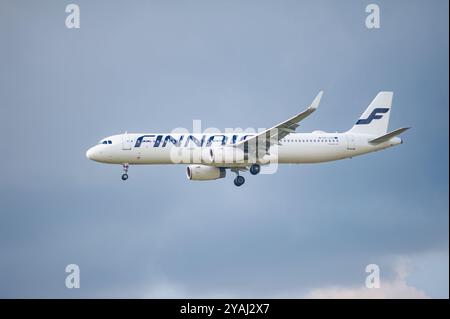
point(90, 153)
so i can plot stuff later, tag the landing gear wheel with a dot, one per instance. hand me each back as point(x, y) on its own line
point(255, 169)
point(125, 172)
point(239, 180)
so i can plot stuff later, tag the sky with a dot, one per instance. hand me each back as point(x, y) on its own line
point(308, 231)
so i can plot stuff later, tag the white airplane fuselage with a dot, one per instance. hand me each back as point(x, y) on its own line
point(295, 148)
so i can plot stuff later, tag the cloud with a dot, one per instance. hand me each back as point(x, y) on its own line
point(398, 288)
point(164, 290)
point(395, 288)
point(169, 290)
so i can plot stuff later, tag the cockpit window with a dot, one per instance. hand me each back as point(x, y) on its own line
point(105, 142)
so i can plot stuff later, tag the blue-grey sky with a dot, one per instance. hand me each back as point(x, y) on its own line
point(306, 231)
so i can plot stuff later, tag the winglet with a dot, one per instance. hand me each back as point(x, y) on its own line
point(315, 104)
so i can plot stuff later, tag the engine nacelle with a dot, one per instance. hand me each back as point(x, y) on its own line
point(204, 172)
point(227, 155)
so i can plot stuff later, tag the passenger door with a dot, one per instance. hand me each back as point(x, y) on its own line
point(126, 142)
point(350, 142)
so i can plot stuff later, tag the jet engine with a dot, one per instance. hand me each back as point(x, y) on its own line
point(204, 172)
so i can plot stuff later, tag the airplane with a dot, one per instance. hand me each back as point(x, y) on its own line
point(209, 156)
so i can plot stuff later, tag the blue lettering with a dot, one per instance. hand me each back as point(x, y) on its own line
point(211, 139)
point(158, 140)
point(245, 137)
point(140, 138)
point(172, 140)
point(195, 140)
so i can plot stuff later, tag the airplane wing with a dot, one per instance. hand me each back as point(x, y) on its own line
point(263, 140)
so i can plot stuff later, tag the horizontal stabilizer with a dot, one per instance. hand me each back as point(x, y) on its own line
point(388, 136)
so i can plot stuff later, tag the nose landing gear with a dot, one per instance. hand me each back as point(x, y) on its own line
point(125, 172)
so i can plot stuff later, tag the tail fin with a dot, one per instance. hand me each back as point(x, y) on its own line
point(375, 119)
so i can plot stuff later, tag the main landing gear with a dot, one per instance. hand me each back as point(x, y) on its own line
point(239, 180)
point(125, 172)
point(255, 169)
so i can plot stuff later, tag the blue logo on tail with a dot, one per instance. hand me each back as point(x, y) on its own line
point(375, 115)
